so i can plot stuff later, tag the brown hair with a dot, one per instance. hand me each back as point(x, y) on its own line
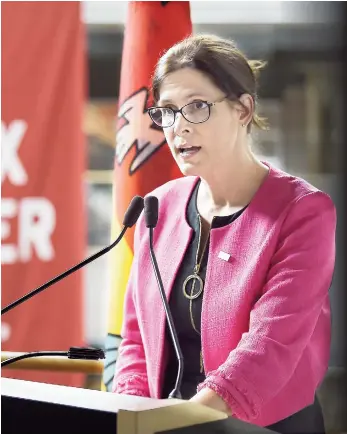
point(220, 60)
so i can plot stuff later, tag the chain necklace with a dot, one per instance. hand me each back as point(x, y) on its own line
point(195, 277)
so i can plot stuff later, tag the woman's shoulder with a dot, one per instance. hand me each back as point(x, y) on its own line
point(291, 188)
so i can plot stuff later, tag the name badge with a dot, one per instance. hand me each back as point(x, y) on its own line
point(224, 256)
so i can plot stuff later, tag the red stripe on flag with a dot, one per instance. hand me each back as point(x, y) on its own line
point(143, 162)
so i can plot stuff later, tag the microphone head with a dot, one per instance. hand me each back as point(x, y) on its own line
point(133, 212)
point(151, 211)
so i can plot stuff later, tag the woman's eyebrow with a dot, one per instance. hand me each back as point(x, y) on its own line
point(168, 101)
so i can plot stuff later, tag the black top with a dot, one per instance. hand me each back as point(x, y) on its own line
point(189, 339)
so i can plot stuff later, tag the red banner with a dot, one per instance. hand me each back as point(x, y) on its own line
point(43, 228)
point(143, 160)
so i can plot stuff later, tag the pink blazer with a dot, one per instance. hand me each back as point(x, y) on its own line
point(265, 321)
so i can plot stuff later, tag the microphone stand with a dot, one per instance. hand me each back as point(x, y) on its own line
point(130, 218)
point(176, 393)
point(151, 216)
point(65, 274)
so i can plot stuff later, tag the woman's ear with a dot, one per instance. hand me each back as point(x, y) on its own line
point(247, 109)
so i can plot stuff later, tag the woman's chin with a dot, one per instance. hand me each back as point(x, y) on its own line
point(189, 170)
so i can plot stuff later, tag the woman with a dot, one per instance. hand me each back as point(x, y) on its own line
point(246, 254)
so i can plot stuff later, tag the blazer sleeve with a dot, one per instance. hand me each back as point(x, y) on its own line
point(131, 373)
point(285, 316)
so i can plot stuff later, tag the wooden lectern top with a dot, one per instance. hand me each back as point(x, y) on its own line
point(133, 415)
point(83, 398)
point(71, 409)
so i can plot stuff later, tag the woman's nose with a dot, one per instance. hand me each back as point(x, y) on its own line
point(181, 124)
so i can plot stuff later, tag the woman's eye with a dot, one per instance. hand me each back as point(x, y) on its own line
point(198, 105)
point(166, 111)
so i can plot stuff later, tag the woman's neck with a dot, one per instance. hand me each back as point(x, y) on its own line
point(232, 187)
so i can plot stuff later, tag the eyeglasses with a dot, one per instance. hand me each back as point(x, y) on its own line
point(195, 112)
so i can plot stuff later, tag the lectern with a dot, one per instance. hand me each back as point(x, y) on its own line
point(29, 407)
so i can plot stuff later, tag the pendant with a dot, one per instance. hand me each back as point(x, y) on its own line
point(201, 283)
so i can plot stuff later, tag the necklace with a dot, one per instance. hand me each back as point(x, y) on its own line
point(195, 277)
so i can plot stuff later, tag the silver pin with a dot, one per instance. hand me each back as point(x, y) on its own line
point(224, 256)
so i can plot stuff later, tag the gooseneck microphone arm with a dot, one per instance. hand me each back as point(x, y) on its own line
point(151, 217)
point(63, 275)
point(73, 353)
point(131, 216)
point(30, 355)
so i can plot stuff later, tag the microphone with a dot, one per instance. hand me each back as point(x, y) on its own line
point(79, 353)
point(151, 218)
point(130, 218)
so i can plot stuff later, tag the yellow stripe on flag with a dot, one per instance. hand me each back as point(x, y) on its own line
point(120, 263)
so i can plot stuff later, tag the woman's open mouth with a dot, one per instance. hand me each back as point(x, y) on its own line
point(189, 152)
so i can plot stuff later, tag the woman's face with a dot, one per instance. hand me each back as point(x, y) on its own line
point(200, 148)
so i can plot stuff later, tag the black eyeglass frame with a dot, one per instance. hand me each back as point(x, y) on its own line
point(175, 111)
